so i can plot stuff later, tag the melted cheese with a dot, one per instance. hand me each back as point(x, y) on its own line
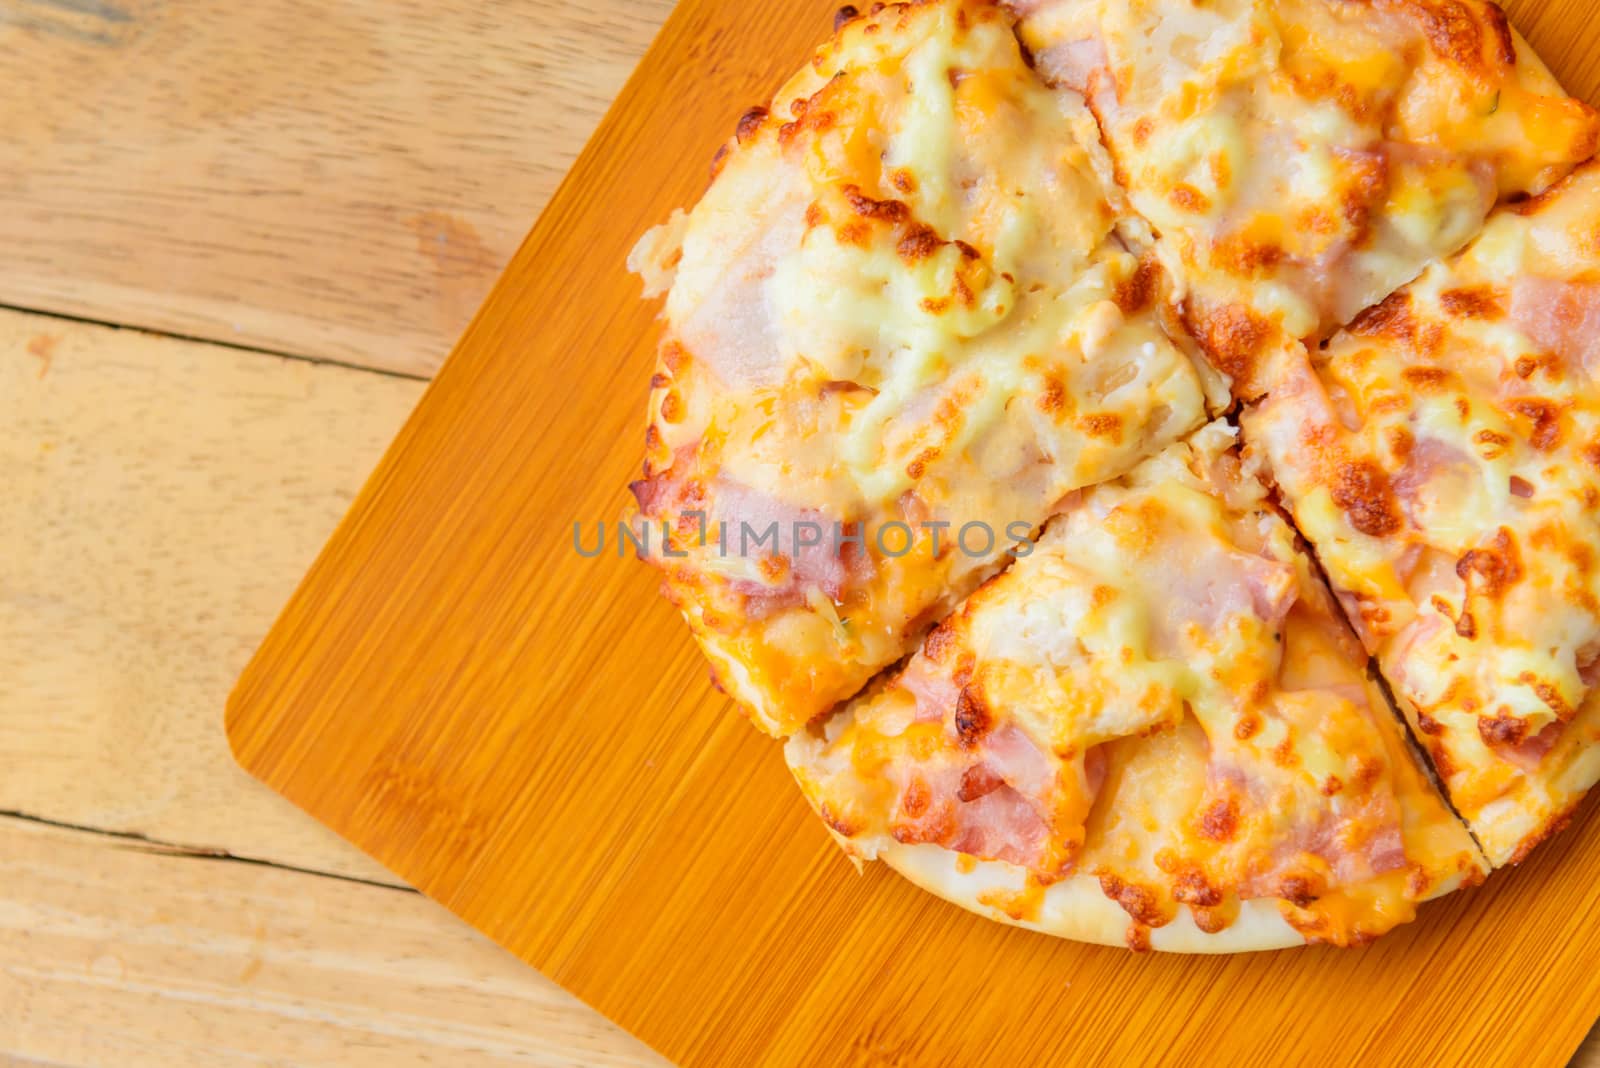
point(1302, 158)
point(1444, 459)
point(926, 291)
point(1164, 699)
point(900, 301)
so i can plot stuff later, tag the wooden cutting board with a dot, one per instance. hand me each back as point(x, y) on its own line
point(529, 736)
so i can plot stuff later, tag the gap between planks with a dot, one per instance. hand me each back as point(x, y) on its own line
point(168, 495)
point(339, 181)
point(111, 955)
point(235, 346)
point(143, 843)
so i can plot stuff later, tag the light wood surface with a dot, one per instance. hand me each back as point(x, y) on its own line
point(552, 765)
point(187, 961)
point(343, 180)
point(315, 179)
point(171, 494)
point(165, 498)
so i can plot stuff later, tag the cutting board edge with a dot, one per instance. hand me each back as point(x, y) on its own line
point(235, 711)
point(244, 723)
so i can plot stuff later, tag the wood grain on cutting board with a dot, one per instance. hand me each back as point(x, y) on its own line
point(529, 736)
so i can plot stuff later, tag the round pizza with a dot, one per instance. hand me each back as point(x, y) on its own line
point(1143, 459)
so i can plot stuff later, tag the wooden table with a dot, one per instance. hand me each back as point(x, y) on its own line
point(238, 238)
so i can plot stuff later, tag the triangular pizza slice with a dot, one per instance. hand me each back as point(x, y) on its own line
point(1154, 729)
point(1443, 458)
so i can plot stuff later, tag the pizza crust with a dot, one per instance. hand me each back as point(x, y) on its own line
point(1077, 909)
point(1509, 827)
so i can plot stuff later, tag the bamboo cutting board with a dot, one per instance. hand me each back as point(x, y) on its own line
point(530, 738)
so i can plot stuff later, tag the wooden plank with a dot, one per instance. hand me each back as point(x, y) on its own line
point(162, 499)
point(336, 180)
point(1559, 31)
point(114, 955)
point(529, 737)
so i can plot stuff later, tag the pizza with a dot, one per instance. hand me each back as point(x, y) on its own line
point(1159, 710)
point(1443, 456)
point(1143, 458)
point(1301, 159)
point(899, 329)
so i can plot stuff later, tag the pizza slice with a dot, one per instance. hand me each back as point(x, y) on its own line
point(1154, 729)
point(1443, 458)
point(898, 331)
point(1301, 159)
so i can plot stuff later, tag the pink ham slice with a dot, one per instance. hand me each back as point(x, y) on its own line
point(933, 690)
point(1000, 825)
point(1589, 664)
point(1447, 472)
point(997, 804)
point(1079, 65)
point(1380, 854)
point(1215, 588)
point(971, 809)
point(1326, 833)
point(661, 494)
point(815, 565)
point(1013, 756)
point(1562, 318)
point(733, 329)
point(1531, 751)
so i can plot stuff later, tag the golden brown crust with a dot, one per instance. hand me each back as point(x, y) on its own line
point(1476, 38)
point(1141, 290)
point(1391, 317)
